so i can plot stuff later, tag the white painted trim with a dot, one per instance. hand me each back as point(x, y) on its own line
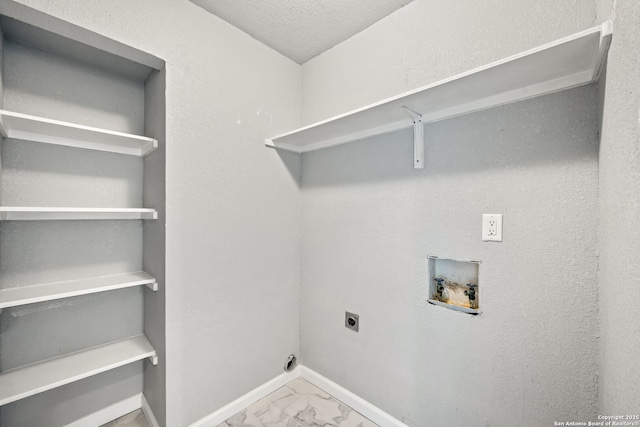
point(109, 413)
point(248, 399)
point(148, 413)
point(367, 409)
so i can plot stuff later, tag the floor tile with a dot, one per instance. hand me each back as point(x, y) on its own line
point(133, 419)
point(298, 404)
point(326, 410)
point(239, 419)
point(283, 397)
point(305, 388)
point(252, 409)
point(349, 417)
point(272, 415)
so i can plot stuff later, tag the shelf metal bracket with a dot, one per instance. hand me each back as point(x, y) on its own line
point(418, 138)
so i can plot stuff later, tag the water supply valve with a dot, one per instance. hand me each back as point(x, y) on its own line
point(471, 293)
point(439, 288)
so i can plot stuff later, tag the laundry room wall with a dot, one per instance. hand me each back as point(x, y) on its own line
point(232, 208)
point(369, 221)
point(619, 390)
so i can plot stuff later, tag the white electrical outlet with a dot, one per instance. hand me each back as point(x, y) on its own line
point(492, 227)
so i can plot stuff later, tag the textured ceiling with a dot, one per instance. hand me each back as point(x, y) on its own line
point(301, 29)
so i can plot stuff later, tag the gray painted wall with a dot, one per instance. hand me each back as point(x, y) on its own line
point(1, 64)
point(369, 221)
point(619, 282)
point(154, 240)
point(1, 97)
point(34, 174)
point(427, 41)
point(45, 84)
point(232, 272)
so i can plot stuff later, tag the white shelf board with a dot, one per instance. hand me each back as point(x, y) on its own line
point(12, 297)
point(455, 307)
point(27, 381)
point(40, 129)
point(14, 213)
point(569, 62)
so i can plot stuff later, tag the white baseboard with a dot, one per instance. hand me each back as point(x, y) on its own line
point(370, 411)
point(148, 413)
point(109, 413)
point(138, 401)
point(227, 411)
point(367, 409)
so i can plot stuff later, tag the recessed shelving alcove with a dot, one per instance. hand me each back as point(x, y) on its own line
point(83, 198)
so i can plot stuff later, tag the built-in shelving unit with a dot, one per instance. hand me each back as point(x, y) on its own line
point(27, 381)
point(46, 213)
point(123, 91)
point(12, 297)
point(569, 62)
point(49, 131)
point(24, 382)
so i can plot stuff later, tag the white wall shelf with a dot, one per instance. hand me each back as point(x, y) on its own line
point(569, 62)
point(48, 131)
point(13, 213)
point(33, 379)
point(12, 297)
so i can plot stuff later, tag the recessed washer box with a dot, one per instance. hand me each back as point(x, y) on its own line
point(454, 284)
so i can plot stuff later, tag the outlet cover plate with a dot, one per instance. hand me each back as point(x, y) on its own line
point(351, 321)
point(492, 227)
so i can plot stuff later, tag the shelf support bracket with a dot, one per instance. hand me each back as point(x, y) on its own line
point(418, 138)
point(154, 359)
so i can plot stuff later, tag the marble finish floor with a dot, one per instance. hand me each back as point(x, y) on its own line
point(133, 419)
point(298, 404)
